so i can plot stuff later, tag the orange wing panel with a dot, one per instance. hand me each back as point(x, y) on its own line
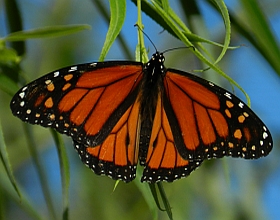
point(111, 98)
point(184, 111)
point(220, 123)
point(162, 152)
point(103, 77)
point(96, 96)
point(121, 145)
point(197, 111)
point(117, 156)
point(71, 99)
point(205, 126)
point(163, 161)
point(194, 90)
point(84, 107)
point(107, 149)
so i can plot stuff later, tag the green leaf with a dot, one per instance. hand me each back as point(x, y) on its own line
point(224, 12)
point(8, 194)
point(165, 200)
point(64, 172)
point(6, 162)
point(7, 84)
point(53, 31)
point(101, 7)
point(118, 10)
point(14, 22)
point(32, 146)
point(149, 10)
point(8, 55)
point(258, 27)
point(146, 193)
point(155, 195)
point(195, 38)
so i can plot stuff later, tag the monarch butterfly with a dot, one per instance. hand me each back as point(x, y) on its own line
point(119, 112)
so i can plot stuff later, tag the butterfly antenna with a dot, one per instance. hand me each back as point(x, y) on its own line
point(136, 25)
point(176, 48)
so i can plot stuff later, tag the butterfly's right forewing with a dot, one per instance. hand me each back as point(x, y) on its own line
point(83, 101)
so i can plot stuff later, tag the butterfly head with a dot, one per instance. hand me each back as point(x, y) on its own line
point(155, 66)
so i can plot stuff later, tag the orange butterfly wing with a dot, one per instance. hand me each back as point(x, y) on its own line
point(163, 161)
point(208, 121)
point(84, 101)
point(117, 156)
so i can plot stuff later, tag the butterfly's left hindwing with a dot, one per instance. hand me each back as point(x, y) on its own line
point(79, 100)
point(162, 160)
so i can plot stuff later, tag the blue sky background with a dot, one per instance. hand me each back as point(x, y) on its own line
point(245, 65)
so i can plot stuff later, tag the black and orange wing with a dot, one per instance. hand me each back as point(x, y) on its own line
point(84, 101)
point(117, 156)
point(208, 121)
point(162, 160)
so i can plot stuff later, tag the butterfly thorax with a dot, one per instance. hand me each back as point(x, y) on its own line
point(152, 84)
